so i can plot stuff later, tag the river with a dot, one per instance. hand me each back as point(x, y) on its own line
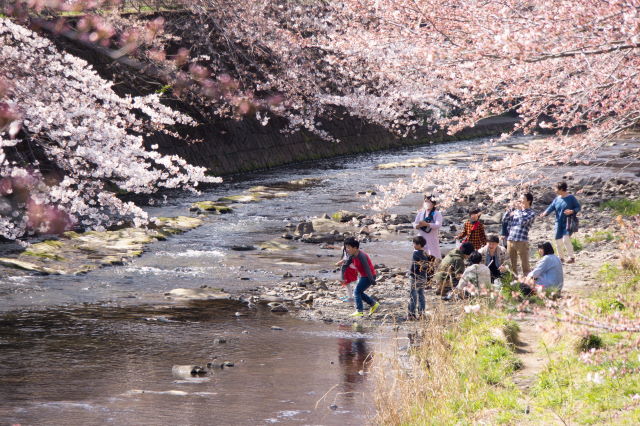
point(99, 348)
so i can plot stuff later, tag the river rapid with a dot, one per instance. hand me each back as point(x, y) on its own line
point(99, 348)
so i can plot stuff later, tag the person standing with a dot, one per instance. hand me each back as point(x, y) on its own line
point(422, 267)
point(517, 223)
point(564, 205)
point(367, 273)
point(428, 223)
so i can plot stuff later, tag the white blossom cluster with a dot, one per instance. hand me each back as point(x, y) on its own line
point(86, 131)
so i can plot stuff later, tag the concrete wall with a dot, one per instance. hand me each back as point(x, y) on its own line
point(230, 146)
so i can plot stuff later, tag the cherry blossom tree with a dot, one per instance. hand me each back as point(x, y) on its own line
point(568, 65)
point(69, 142)
point(412, 65)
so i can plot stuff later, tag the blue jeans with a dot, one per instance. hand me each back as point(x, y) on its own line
point(359, 295)
point(416, 296)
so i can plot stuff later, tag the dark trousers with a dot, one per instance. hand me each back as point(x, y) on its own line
point(359, 295)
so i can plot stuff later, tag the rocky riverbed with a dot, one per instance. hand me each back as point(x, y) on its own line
point(319, 298)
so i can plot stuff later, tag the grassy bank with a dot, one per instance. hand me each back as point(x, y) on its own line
point(463, 368)
point(458, 373)
point(593, 373)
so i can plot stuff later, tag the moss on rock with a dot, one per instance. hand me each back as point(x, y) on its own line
point(210, 207)
point(77, 253)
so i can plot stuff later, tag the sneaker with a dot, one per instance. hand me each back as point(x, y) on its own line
point(571, 260)
point(344, 298)
point(374, 308)
point(357, 314)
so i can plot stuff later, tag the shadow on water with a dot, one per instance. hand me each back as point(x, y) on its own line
point(96, 364)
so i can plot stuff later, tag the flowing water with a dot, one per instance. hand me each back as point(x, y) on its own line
point(99, 348)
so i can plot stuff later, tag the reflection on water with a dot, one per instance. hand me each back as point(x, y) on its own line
point(353, 355)
point(96, 365)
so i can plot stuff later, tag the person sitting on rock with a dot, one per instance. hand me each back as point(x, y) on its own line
point(473, 230)
point(422, 266)
point(495, 257)
point(475, 277)
point(548, 271)
point(451, 268)
point(367, 273)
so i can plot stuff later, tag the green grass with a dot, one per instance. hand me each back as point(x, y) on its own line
point(598, 236)
point(466, 375)
point(603, 390)
point(580, 393)
point(623, 206)
point(608, 273)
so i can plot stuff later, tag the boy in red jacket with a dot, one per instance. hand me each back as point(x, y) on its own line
point(367, 274)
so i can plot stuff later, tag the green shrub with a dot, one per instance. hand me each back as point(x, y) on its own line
point(588, 342)
point(577, 244)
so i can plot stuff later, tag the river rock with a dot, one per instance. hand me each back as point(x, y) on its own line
point(243, 247)
point(304, 228)
point(271, 298)
point(494, 219)
point(328, 225)
point(396, 219)
point(277, 307)
point(546, 198)
point(275, 245)
point(321, 238)
point(210, 207)
point(199, 294)
point(187, 371)
point(345, 216)
point(76, 253)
